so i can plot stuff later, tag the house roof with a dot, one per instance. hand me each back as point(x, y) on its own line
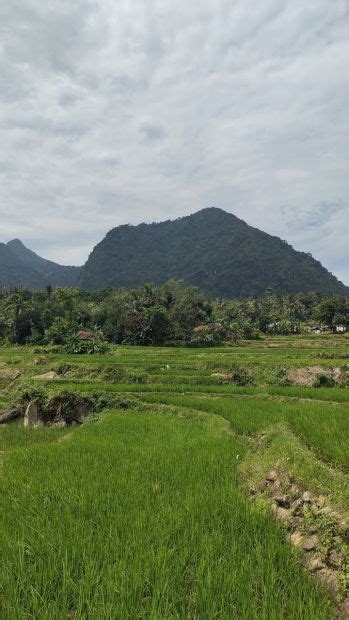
point(84, 335)
point(200, 328)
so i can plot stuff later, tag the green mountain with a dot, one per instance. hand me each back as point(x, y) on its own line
point(212, 249)
point(20, 266)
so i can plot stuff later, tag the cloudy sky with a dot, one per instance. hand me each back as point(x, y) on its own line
point(144, 110)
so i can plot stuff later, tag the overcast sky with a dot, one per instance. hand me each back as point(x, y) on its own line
point(144, 110)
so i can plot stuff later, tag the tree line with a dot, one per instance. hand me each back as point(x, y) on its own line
point(170, 314)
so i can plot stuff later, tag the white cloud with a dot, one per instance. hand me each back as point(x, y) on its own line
point(144, 110)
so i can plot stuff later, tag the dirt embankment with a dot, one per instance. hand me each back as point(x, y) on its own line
point(308, 375)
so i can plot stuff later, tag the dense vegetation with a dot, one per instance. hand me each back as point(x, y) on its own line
point(169, 314)
point(145, 511)
point(19, 266)
point(211, 249)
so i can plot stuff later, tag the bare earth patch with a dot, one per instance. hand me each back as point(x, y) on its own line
point(307, 376)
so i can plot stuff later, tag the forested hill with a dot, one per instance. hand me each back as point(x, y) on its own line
point(211, 249)
point(19, 266)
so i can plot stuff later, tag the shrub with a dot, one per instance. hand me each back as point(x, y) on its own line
point(93, 346)
point(324, 380)
point(242, 376)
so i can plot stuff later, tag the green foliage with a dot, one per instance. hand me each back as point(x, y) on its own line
point(59, 331)
point(324, 380)
point(241, 376)
point(64, 403)
point(211, 249)
point(152, 315)
point(93, 346)
point(333, 311)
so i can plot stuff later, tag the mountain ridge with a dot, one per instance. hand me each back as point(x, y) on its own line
point(20, 266)
point(211, 249)
point(214, 250)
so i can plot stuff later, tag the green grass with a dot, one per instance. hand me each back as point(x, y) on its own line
point(140, 516)
point(144, 514)
point(323, 427)
point(335, 394)
point(280, 445)
point(15, 436)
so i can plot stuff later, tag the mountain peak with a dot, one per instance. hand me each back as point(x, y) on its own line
point(15, 243)
point(21, 266)
point(211, 249)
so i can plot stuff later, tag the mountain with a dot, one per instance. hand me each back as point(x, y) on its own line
point(212, 249)
point(13, 273)
point(20, 266)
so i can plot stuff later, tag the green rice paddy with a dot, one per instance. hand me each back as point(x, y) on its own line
point(144, 511)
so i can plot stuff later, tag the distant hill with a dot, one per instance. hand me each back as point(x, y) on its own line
point(20, 266)
point(212, 249)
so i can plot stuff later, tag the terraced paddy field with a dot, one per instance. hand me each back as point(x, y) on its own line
point(204, 483)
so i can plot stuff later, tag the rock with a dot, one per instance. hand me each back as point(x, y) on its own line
point(329, 579)
point(306, 497)
point(343, 529)
point(8, 416)
point(334, 558)
point(82, 412)
point(296, 539)
point(31, 416)
point(271, 475)
point(282, 514)
point(47, 375)
point(263, 486)
point(282, 500)
point(315, 563)
point(321, 501)
point(276, 485)
point(296, 505)
point(294, 489)
point(310, 543)
point(295, 522)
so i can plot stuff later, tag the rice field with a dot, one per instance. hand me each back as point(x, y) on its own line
point(144, 511)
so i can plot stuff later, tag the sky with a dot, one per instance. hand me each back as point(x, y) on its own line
point(146, 110)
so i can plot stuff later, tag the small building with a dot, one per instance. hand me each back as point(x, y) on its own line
point(341, 329)
point(314, 329)
point(84, 335)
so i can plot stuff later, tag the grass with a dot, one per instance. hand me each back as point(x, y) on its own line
point(15, 436)
point(323, 427)
point(144, 513)
point(140, 516)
